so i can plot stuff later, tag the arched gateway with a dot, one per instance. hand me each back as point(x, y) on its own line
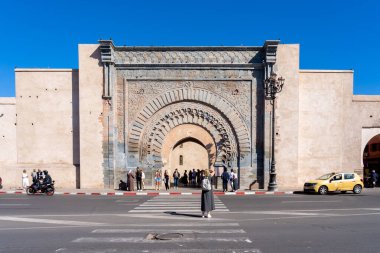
point(163, 105)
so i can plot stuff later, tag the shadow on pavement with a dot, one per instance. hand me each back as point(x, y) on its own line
point(184, 214)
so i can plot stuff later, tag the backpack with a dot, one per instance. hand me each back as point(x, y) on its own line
point(206, 184)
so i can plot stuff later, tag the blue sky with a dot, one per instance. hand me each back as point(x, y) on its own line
point(333, 34)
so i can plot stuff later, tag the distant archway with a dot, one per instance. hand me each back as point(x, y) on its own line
point(188, 154)
point(371, 156)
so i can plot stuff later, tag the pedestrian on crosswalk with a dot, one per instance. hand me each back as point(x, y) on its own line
point(207, 201)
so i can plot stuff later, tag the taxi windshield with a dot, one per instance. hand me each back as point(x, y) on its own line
point(326, 176)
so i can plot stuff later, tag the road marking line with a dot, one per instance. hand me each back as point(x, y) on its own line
point(15, 204)
point(316, 216)
point(166, 207)
point(311, 201)
point(143, 240)
point(214, 250)
point(171, 210)
point(21, 198)
point(34, 220)
point(176, 204)
point(194, 216)
point(163, 230)
point(202, 223)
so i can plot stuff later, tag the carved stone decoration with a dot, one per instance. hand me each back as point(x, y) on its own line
point(227, 111)
point(171, 116)
point(218, 94)
point(161, 56)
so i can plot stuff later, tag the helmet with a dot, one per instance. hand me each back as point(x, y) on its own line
point(46, 172)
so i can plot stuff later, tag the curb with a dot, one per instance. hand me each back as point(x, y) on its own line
point(238, 193)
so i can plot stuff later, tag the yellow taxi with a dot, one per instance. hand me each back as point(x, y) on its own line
point(331, 182)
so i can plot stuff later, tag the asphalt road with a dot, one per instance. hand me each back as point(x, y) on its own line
point(261, 223)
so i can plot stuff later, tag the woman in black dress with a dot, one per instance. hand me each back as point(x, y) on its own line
point(166, 178)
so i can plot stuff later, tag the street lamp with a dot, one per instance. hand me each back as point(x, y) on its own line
point(272, 86)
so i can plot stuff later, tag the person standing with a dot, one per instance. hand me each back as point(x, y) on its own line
point(157, 179)
point(131, 181)
point(198, 178)
point(176, 177)
point(190, 177)
point(225, 178)
point(34, 176)
point(234, 180)
point(185, 178)
point(194, 179)
point(39, 174)
point(167, 179)
point(138, 179)
point(373, 177)
point(207, 199)
point(25, 180)
point(232, 174)
point(143, 179)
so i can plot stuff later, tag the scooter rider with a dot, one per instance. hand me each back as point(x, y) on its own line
point(47, 179)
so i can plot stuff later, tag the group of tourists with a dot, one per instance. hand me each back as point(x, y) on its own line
point(192, 179)
point(230, 179)
point(138, 175)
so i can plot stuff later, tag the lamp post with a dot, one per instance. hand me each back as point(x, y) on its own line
point(272, 86)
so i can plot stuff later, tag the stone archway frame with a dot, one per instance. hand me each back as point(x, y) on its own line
point(367, 135)
point(219, 103)
point(173, 115)
point(183, 132)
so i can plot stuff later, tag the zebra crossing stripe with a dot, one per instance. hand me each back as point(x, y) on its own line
point(143, 240)
point(171, 210)
point(204, 223)
point(108, 250)
point(163, 230)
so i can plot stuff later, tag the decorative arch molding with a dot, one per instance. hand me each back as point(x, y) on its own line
point(177, 114)
point(226, 110)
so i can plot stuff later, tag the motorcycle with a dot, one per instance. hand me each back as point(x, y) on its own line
point(48, 189)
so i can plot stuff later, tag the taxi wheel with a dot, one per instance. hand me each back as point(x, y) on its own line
point(323, 190)
point(357, 189)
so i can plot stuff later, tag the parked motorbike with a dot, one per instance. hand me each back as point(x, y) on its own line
point(39, 188)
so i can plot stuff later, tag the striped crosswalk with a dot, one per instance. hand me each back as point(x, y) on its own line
point(195, 236)
point(164, 235)
point(180, 204)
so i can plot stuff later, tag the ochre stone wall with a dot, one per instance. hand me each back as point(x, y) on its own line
point(46, 128)
point(91, 117)
point(325, 134)
point(287, 116)
point(8, 131)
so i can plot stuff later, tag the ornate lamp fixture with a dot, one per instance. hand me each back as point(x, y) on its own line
point(272, 86)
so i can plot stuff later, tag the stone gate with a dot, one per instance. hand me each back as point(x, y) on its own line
point(150, 91)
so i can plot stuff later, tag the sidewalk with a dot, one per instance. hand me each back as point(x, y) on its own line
point(150, 192)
